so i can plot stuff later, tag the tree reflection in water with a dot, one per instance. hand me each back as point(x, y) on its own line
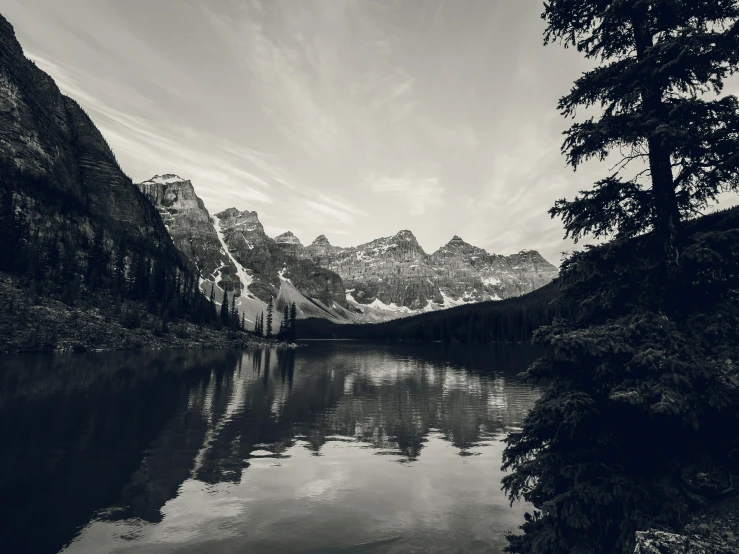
point(114, 436)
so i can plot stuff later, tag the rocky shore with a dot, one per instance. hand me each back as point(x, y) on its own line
point(713, 530)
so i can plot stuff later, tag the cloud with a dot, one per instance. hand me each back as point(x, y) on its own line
point(326, 213)
point(282, 72)
point(220, 171)
point(419, 193)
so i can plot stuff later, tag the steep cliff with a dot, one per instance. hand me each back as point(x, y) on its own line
point(60, 168)
point(191, 228)
point(274, 262)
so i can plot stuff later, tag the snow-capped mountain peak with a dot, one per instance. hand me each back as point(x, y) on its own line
point(166, 179)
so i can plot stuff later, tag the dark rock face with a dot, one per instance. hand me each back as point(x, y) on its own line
point(396, 271)
point(51, 152)
point(275, 260)
point(191, 228)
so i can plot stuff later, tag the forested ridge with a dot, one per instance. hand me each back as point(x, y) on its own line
point(511, 320)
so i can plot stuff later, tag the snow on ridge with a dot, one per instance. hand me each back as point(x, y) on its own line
point(166, 179)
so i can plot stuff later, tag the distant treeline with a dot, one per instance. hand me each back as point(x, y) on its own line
point(511, 320)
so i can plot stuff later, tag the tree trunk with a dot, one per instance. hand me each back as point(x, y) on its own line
point(666, 212)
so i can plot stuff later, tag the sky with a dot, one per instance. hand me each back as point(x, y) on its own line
point(350, 118)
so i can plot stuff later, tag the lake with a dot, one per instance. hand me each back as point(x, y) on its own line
point(331, 447)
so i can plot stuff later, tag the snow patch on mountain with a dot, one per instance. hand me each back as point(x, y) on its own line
point(491, 281)
point(243, 275)
point(166, 179)
point(392, 307)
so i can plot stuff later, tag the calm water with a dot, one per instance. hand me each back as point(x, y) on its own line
point(334, 447)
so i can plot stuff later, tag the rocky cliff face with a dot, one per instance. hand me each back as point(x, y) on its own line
point(468, 273)
point(273, 262)
point(56, 161)
point(391, 271)
point(191, 228)
point(395, 274)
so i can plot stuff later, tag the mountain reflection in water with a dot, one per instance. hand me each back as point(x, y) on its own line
point(334, 447)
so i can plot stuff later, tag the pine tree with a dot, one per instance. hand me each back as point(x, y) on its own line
point(97, 262)
point(234, 316)
point(224, 309)
point(293, 317)
point(8, 230)
point(658, 58)
point(213, 309)
point(284, 324)
point(259, 325)
point(243, 321)
point(636, 393)
point(268, 331)
point(120, 267)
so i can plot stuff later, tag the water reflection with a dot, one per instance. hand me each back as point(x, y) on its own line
point(115, 444)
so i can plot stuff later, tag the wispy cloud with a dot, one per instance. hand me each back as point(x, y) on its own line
point(325, 213)
point(220, 171)
point(419, 194)
point(280, 68)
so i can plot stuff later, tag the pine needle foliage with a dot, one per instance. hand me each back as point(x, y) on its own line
point(643, 379)
point(659, 84)
point(637, 396)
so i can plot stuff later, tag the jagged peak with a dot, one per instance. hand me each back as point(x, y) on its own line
point(405, 234)
point(287, 238)
point(165, 179)
point(233, 212)
point(228, 212)
point(320, 240)
point(457, 242)
point(457, 245)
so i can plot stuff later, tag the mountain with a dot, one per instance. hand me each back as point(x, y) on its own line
point(191, 228)
point(55, 159)
point(276, 269)
point(390, 273)
point(383, 279)
point(233, 253)
point(465, 272)
point(59, 169)
point(394, 274)
point(87, 260)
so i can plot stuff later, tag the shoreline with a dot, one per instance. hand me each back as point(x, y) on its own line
point(42, 324)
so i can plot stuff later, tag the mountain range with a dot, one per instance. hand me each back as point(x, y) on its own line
point(89, 225)
point(383, 279)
